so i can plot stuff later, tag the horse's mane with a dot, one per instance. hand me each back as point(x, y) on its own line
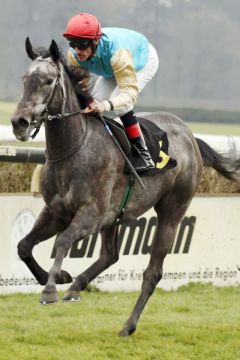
point(78, 76)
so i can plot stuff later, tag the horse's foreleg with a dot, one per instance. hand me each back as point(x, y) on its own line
point(83, 224)
point(168, 219)
point(109, 254)
point(44, 228)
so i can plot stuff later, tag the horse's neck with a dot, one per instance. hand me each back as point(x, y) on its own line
point(64, 136)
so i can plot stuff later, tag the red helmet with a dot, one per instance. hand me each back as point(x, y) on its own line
point(83, 25)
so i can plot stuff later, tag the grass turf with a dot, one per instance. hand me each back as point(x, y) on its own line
point(196, 322)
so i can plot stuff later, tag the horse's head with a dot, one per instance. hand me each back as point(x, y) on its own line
point(42, 93)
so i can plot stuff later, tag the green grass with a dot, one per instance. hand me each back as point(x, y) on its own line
point(215, 129)
point(197, 322)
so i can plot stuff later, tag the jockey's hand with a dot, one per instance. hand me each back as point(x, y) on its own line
point(96, 106)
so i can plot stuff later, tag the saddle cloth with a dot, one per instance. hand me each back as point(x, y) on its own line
point(156, 140)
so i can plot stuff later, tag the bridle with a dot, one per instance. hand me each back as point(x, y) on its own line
point(37, 122)
point(45, 115)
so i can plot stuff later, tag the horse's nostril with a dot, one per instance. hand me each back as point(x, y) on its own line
point(20, 122)
point(23, 123)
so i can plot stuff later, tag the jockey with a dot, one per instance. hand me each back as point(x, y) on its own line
point(124, 63)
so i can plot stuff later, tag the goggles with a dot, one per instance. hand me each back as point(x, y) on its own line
point(81, 44)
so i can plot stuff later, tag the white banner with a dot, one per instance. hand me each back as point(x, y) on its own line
point(206, 247)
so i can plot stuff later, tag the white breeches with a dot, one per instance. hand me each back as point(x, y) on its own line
point(106, 88)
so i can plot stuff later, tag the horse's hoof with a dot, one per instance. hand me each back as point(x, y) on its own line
point(71, 296)
point(65, 278)
point(123, 332)
point(127, 330)
point(48, 298)
point(43, 302)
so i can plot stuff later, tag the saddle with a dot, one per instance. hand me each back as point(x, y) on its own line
point(156, 140)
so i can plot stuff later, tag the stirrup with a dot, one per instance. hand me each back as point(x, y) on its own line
point(146, 162)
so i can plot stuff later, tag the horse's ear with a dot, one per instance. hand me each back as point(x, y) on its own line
point(32, 53)
point(54, 51)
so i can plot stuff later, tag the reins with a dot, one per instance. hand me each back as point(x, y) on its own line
point(41, 118)
point(67, 115)
point(45, 114)
point(60, 116)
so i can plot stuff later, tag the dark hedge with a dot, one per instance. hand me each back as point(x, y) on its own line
point(17, 178)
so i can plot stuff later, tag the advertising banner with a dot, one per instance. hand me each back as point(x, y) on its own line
point(206, 247)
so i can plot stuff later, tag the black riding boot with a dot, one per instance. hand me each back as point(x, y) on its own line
point(143, 160)
point(140, 147)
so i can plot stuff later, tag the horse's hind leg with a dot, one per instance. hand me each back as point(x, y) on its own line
point(108, 255)
point(169, 213)
point(44, 228)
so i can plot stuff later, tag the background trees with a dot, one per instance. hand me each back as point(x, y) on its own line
point(197, 42)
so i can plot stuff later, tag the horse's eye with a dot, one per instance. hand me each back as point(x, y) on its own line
point(49, 81)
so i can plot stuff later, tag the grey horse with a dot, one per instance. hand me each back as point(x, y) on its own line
point(83, 180)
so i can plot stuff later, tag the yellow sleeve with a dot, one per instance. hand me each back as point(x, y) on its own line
point(126, 78)
point(71, 59)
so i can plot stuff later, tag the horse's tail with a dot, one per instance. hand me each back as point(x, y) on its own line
point(227, 165)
